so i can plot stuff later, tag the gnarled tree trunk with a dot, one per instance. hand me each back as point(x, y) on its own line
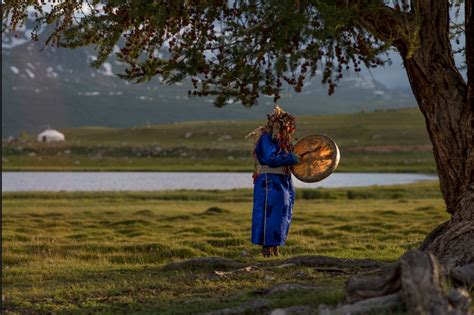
point(445, 100)
point(447, 104)
point(418, 282)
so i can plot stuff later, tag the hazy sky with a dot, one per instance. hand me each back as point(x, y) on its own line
point(392, 76)
point(395, 76)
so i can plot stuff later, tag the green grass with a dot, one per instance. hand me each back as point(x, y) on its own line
point(385, 141)
point(108, 252)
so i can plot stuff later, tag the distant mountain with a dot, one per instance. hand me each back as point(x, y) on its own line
point(57, 88)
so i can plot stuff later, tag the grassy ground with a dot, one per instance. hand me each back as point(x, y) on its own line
point(389, 141)
point(109, 252)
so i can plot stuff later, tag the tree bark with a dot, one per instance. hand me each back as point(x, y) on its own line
point(443, 98)
point(441, 93)
point(447, 103)
point(417, 279)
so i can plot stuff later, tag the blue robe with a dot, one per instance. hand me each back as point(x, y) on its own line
point(273, 195)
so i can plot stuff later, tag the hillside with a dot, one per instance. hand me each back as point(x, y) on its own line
point(394, 140)
point(57, 87)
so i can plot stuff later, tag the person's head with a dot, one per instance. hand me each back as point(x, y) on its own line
point(282, 126)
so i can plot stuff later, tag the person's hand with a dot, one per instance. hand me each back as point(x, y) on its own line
point(304, 153)
point(308, 152)
point(298, 158)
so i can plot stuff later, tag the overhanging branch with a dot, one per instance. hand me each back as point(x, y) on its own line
point(391, 26)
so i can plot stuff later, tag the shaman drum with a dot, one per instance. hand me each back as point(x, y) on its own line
point(319, 157)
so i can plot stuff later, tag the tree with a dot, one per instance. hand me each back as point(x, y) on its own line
point(237, 51)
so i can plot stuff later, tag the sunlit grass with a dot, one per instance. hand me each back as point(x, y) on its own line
point(106, 252)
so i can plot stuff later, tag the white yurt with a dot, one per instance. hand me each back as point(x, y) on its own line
point(50, 135)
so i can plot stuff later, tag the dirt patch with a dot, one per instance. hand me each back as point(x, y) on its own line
point(331, 264)
point(206, 263)
point(215, 211)
point(320, 263)
point(251, 307)
point(295, 310)
point(284, 287)
point(145, 213)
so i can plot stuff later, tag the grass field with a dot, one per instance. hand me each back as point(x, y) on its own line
point(385, 141)
point(111, 252)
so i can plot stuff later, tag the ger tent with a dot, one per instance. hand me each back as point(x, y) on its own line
point(50, 135)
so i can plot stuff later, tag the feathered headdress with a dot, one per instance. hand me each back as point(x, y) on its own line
point(281, 125)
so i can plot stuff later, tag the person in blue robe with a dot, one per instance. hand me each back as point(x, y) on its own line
point(274, 194)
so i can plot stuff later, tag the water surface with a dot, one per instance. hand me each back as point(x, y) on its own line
point(136, 181)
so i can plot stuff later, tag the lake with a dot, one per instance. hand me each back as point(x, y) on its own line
point(136, 181)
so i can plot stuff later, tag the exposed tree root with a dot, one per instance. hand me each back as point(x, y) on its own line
point(417, 278)
point(464, 275)
point(375, 304)
point(452, 243)
point(258, 306)
point(295, 310)
point(226, 274)
point(320, 263)
point(283, 287)
point(331, 264)
point(415, 282)
point(388, 282)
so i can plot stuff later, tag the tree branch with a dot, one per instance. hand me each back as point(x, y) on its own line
point(383, 22)
point(389, 25)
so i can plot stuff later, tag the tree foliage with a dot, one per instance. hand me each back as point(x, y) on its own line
point(235, 50)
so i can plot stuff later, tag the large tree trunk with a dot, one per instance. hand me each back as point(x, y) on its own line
point(442, 96)
point(447, 103)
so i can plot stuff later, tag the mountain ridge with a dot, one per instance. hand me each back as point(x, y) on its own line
point(57, 88)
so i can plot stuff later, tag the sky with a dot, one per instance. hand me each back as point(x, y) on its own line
point(393, 76)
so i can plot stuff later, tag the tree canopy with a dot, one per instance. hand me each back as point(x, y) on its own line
point(235, 50)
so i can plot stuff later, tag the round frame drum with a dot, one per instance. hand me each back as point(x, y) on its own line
point(319, 157)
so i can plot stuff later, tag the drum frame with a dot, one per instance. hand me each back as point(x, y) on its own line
point(330, 169)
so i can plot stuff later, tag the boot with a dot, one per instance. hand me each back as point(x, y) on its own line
point(266, 251)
